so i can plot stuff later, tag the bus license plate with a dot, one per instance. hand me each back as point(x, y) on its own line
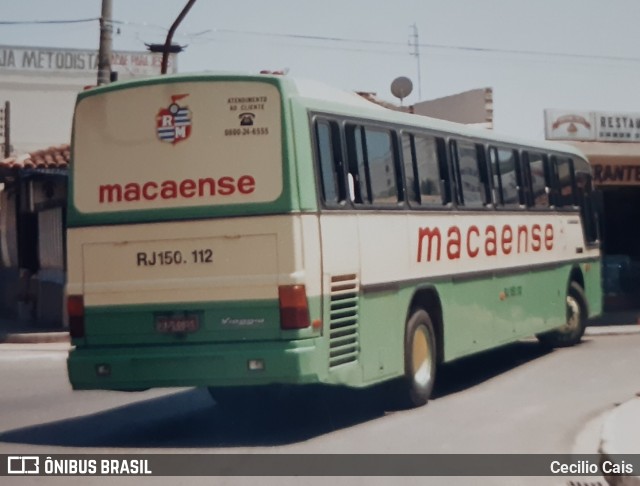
point(177, 324)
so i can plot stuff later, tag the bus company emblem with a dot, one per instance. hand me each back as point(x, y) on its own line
point(173, 124)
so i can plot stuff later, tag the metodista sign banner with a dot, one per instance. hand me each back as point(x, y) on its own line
point(50, 60)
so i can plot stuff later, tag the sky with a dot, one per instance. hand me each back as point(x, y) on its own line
point(535, 54)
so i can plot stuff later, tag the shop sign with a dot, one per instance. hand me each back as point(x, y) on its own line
point(569, 125)
point(599, 126)
point(616, 174)
point(618, 127)
point(79, 61)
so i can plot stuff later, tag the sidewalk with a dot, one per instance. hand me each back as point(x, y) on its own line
point(620, 437)
point(616, 318)
point(620, 431)
point(15, 331)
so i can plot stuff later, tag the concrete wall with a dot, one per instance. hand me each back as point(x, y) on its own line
point(469, 107)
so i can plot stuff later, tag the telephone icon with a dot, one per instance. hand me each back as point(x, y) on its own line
point(246, 119)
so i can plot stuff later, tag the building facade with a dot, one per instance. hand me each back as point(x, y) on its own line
point(40, 86)
point(611, 142)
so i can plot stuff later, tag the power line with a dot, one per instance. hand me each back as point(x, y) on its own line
point(40, 22)
point(417, 45)
point(308, 37)
point(533, 53)
point(340, 40)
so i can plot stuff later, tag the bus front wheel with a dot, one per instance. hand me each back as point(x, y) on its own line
point(576, 320)
point(415, 387)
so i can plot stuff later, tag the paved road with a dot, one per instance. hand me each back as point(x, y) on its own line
point(519, 399)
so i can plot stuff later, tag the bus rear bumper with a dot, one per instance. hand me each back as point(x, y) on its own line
point(138, 368)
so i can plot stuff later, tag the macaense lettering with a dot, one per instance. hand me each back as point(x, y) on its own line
point(169, 189)
point(475, 241)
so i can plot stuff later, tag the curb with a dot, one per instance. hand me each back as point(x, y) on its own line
point(35, 337)
point(612, 330)
point(620, 439)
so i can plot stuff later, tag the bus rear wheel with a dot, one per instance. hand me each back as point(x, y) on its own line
point(576, 321)
point(415, 387)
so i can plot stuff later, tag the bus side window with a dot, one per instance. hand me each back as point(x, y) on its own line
point(538, 187)
point(495, 174)
point(381, 166)
point(330, 161)
point(422, 170)
point(446, 182)
point(356, 168)
point(563, 175)
point(584, 193)
point(507, 170)
point(490, 157)
point(454, 181)
point(471, 187)
point(410, 169)
point(485, 175)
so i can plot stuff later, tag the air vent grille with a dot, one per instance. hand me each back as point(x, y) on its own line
point(343, 333)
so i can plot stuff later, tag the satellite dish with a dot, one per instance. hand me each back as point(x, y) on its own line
point(401, 87)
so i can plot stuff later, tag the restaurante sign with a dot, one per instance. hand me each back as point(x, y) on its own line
point(601, 126)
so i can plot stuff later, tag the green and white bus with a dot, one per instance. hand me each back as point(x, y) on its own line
point(239, 231)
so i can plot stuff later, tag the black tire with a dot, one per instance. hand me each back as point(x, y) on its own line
point(420, 360)
point(576, 321)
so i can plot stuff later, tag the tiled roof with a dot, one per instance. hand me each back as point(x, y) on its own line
point(51, 158)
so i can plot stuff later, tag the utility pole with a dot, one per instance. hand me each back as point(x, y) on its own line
point(106, 38)
point(413, 41)
point(6, 128)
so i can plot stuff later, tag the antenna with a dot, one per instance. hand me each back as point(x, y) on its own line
point(413, 41)
point(401, 87)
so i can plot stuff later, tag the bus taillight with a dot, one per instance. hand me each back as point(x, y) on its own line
point(75, 309)
point(294, 310)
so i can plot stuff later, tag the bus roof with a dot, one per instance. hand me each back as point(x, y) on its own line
point(317, 95)
point(321, 97)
